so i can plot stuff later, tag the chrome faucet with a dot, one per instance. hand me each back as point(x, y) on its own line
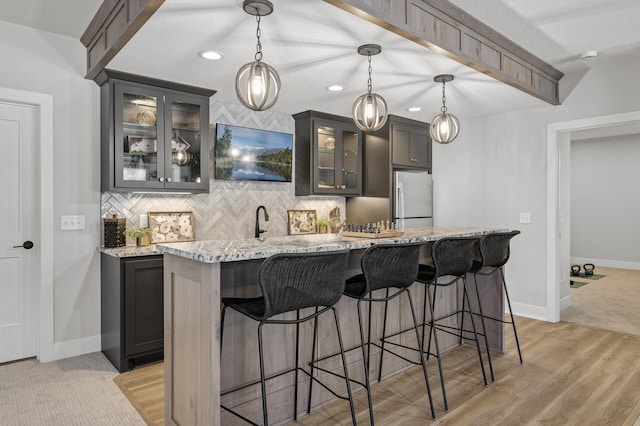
point(266, 218)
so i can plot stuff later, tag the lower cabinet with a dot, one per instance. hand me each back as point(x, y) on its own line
point(132, 310)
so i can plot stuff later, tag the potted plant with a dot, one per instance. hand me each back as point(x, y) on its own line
point(322, 225)
point(142, 236)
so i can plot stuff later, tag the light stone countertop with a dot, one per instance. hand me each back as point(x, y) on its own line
point(131, 251)
point(217, 251)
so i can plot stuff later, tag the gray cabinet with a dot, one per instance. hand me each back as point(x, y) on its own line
point(154, 135)
point(132, 315)
point(401, 144)
point(410, 143)
point(328, 155)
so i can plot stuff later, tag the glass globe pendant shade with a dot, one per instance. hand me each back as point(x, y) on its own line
point(444, 128)
point(370, 112)
point(257, 85)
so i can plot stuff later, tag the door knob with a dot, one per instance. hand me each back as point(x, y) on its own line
point(26, 245)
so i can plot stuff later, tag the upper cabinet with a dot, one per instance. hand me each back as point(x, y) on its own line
point(401, 144)
point(155, 135)
point(410, 143)
point(328, 155)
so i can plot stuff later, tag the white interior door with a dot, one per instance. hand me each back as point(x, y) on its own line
point(18, 214)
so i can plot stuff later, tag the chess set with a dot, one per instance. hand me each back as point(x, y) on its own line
point(380, 229)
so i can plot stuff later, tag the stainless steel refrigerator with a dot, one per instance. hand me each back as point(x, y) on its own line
point(412, 199)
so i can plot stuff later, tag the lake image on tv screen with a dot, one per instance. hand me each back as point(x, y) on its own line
point(243, 153)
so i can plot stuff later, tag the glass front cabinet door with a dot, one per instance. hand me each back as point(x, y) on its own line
point(156, 139)
point(337, 157)
point(328, 155)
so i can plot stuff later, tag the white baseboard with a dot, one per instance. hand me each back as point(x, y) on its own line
point(607, 263)
point(565, 302)
point(530, 311)
point(77, 347)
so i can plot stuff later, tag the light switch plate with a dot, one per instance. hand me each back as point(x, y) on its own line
point(71, 223)
point(144, 221)
point(525, 217)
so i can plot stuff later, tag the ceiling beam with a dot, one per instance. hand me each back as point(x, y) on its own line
point(115, 23)
point(448, 30)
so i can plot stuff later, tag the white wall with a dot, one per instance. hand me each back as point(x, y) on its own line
point(605, 200)
point(48, 63)
point(504, 168)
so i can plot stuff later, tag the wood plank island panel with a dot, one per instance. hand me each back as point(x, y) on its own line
point(448, 30)
point(197, 274)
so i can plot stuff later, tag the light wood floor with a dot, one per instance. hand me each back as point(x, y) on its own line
point(572, 375)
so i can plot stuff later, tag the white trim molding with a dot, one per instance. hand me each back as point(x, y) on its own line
point(529, 311)
point(77, 347)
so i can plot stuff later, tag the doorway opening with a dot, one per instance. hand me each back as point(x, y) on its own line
point(558, 140)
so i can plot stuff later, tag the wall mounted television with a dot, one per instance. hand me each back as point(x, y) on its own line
point(252, 154)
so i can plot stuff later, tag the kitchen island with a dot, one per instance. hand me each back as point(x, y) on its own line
point(198, 274)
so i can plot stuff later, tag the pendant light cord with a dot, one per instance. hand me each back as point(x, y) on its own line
point(258, 56)
point(369, 82)
point(444, 100)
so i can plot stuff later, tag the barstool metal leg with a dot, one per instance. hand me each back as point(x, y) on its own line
point(384, 333)
point(224, 310)
point(420, 353)
point(262, 377)
point(313, 355)
point(475, 334)
point(484, 328)
point(344, 364)
point(464, 296)
point(513, 323)
point(425, 302)
point(432, 329)
point(365, 358)
point(295, 374)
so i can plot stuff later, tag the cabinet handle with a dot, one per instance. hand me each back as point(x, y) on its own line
point(168, 179)
point(161, 179)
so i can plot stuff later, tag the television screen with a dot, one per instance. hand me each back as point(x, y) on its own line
point(252, 154)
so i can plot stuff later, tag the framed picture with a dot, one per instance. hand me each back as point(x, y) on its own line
point(140, 145)
point(301, 222)
point(172, 227)
point(252, 154)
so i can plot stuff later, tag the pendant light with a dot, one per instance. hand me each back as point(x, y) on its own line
point(444, 127)
point(257, 83)
point(369, 110)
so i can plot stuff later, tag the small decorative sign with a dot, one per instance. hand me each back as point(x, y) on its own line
point(301, 222)
point(172, 227)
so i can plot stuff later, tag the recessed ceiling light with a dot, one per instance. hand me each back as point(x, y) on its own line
point(210, 54)
point(335, 88)
point(414, 109)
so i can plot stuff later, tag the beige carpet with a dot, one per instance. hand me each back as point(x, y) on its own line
point(72, 391)
point(611, 303)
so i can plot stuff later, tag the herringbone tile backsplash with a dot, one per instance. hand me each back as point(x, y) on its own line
point(228, 211)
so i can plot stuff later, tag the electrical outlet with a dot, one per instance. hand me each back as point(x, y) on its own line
point(71, 223)
point(144, 221)
point(525, 217)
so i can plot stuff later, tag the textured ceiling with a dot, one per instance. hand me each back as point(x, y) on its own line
point(66, 17)
point(313, 44)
